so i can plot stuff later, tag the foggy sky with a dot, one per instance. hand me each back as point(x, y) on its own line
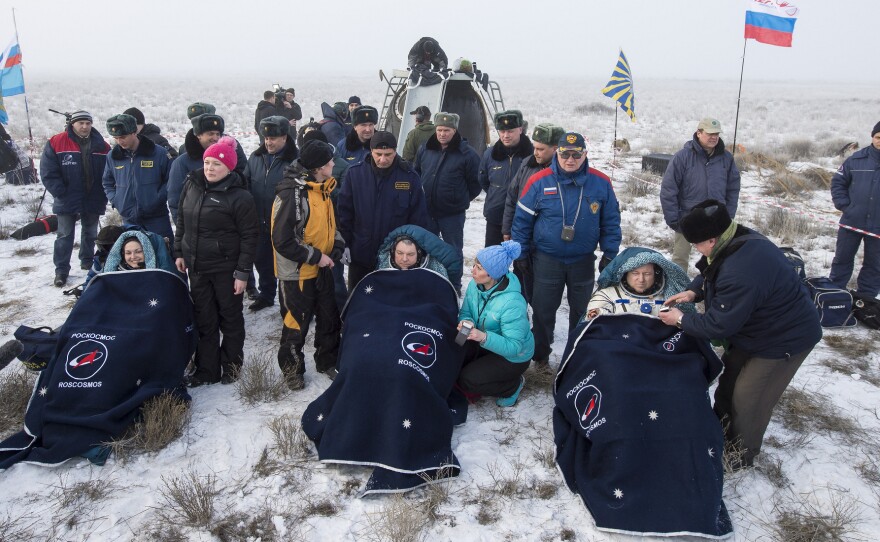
point(231, 39)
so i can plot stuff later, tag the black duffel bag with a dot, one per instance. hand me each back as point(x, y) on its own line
point(866, 310)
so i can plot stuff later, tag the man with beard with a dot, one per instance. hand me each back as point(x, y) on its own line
point(265, 169)
point(379, 194)
point(71, 168)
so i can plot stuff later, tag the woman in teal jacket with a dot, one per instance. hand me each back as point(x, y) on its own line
point(500, 345)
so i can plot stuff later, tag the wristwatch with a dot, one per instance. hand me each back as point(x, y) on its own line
point(678, 322)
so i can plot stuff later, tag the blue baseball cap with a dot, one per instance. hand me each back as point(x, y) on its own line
point(572, 141)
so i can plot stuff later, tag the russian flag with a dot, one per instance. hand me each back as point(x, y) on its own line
point(771, 21)
point(11, 76)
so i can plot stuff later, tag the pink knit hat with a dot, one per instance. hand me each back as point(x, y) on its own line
point(223, 150)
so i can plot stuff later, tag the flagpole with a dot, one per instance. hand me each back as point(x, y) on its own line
point(27, 111)
point(739, 94)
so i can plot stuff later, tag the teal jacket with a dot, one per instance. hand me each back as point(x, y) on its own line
point(502, 315)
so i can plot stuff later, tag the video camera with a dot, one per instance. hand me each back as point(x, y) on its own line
point(279, 92)
point(67, 116)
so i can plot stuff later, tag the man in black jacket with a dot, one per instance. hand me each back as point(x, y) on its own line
point(151, 131)
point(265, 169)
point(266, 108)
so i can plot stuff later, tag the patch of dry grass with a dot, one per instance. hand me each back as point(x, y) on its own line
point(397, 520)
point(259, 381)
point(162, 421)
point(189, 498)
point(807, 412)
point(814, 517)
point(16, 387)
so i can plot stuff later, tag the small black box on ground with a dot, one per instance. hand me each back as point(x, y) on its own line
point(656, 163)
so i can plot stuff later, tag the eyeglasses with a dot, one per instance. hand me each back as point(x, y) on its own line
point(565, 155)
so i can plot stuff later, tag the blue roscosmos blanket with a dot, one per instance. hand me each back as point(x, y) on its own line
point(398, 361)
point(127, 339)
point(635, 434)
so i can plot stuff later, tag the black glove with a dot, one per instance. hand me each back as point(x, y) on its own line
point(604, 262)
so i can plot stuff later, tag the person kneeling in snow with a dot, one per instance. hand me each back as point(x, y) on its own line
point(500, 343)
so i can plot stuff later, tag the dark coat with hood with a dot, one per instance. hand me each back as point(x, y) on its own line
point(693, 176)
point(154, 134)
point(74, 189)
point(449, 176)
point(263, 173)
point(264, 109)
point(333, 125)
point(753, 299)
point(373, 202)
point(137, 184)
point(191, 160)
point(217, 226)
point(497, 169)
point(855, 190)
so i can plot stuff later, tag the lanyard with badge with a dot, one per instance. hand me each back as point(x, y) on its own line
point(568, 230)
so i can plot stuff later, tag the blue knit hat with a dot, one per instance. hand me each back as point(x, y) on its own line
point(496, 259)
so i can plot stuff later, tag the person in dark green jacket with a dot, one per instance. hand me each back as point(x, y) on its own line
point(500, 343)
point(417, 137)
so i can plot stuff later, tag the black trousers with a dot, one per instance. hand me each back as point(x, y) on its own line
point(493, 234)
point(217, 310)
point(487, 373)
point(300, 302)
point(355, 273)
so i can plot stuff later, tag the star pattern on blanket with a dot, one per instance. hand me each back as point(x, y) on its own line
point(711, 452)
point(618, 494)
point(43, 391)
point(368, 289)
point(320, 417)
point(138, 383)
point(625, 336)
point(407, 424)
point(653, 415)
point(154, 302)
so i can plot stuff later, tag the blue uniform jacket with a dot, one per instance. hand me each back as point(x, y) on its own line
point(692, 177)
point(537, 224)
point(262, 176)
point(370, 206)
point(137, 184)
point(855, 190)
point(754, 300)
point(497, 168)
point(351, 149)
point(449, 176)
point(61, 169)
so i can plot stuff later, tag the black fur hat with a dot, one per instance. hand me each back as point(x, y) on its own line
point(207, 122)
point(364, 114)
point(274, 126)
point(315, 154)
point(707, 220)
point(875, 130)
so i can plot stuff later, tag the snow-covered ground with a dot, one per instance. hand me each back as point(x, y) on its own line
point(508, 490)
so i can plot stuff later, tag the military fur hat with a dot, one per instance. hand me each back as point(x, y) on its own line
point(507, 120)
point(548, 134)
point(121, 125)
point(274, 126)
point(207, 123)
point(364, 114)
point(707, 220)
point(449, 120)
point(199, 108)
